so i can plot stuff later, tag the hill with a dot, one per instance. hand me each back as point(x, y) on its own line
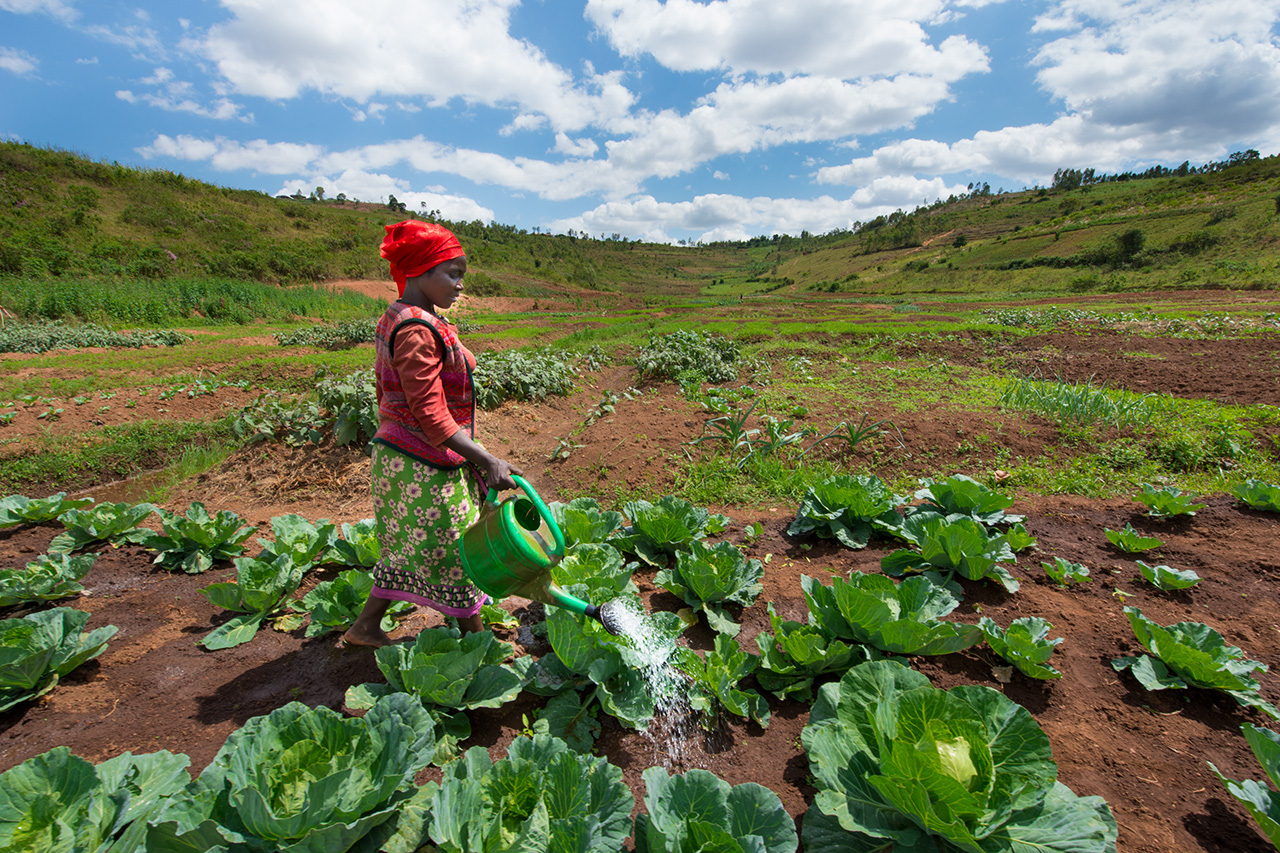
point(66, 216)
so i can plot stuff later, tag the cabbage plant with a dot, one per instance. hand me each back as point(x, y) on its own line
point(59, 801)
point(358, 545)
point(48, 578)
point(1167, 579)
point(597, 566)
point(709, 577)
point(963, 495)
point(902, 765)
point(448, 672)
point(1129, 540)
point(116, 523)
point(716, 678)
point(260, 591)
point(304, 780)
point(1191, 654)
point(848, 508)
point(1258, 494)
point(701, 811)
point(40, 648)
point(299, 540)
point(20, 509)
point(794, 656)
point(1168, 501)
point(582, 521)
point(334, 605)
point(951, 546)
point(1064, 572)
point(541, 796)
point(898, 618)
point(658, 531)
point(1262, 802)
point(193, 542)
point(1025, 644)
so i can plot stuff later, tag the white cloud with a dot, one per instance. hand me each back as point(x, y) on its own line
point(17, 61)
point(436, 50)
point(179, 96)
point(228, 155)
point(718, 216)
point(843, 39)
point(585, 147)
point(1202, 70)
point(53, 8)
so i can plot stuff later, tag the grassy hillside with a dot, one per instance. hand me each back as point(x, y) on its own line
point(70, 219)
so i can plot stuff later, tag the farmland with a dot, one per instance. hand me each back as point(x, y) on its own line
point(1068, 400)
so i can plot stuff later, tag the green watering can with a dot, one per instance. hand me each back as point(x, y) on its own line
point(510, 551)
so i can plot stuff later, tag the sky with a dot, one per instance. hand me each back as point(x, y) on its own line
point(676, 121)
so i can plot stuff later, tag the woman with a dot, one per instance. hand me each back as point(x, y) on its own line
point(429, 475)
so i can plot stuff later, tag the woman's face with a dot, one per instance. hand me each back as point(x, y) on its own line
point(442, 284)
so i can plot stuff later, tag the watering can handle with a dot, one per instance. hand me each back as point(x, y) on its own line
point(538, 504)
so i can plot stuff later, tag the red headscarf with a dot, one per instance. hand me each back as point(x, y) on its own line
point(414, 247)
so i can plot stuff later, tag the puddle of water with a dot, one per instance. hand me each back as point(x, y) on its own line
point(131, 491)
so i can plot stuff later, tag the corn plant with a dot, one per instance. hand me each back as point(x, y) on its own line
point(854, 435)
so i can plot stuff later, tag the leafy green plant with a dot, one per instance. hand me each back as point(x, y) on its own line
point(614, 669)
point(1258, 494)
point(308, 779)
point(116, 523)
point(1065, 572)
point(59, 801)
point(39, 648)
point(541, 796)
point(709, 577)
point(1167, 579)
point(897, 618)
point(658, 530)
point(1167, 502)
point(48, 578)
point(951, 546)
point(900, 764)
point(194, 542)
point(262, 586)
point(716, 679)
point(1025, 644)
point(854, 435)
point(1130, 541)
point(598, 567)
point(522, 375)
point(20, 509)
point(1018, 538)
point(448, 672)
point(340, 335)
point(266, 419)
point(358, 545)
point(582, 520)
point(795, 656)
point(301, 541)
point(352, 405)
point(1258, 798)
point(1191, 654)
point(963, 495)
point(334, 605)
point(43, 336)
point(668, 356)
point(700, 811)
point(730, 431)
point(848, 508)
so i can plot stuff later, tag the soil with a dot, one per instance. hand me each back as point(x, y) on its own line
point(1145, 753)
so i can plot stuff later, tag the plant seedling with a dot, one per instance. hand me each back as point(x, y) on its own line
point(1065, 572)
point(1258, 494)
point(1167, 502)
point(1131, 541)
point(1167, 579)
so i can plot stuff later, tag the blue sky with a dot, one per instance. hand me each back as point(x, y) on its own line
point(677, 120)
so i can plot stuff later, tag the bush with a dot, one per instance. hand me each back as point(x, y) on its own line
point(669, 356)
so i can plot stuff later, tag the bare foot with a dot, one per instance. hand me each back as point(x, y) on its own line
point(368, 639)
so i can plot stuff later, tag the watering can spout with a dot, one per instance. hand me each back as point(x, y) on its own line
point(606, 614)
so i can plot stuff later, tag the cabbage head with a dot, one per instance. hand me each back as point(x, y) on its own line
point(40, 648)
point(305, 779)
point(901, 764)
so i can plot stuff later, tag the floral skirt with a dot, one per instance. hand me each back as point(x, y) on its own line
point(421, 513)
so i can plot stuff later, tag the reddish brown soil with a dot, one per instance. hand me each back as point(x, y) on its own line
point(1145, 753)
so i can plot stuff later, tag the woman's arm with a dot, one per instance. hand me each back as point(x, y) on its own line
point(497, 472)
